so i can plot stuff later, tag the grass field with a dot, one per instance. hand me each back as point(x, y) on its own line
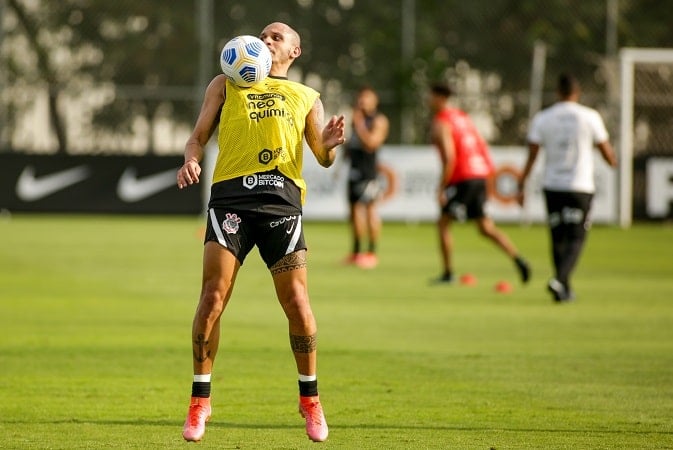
point(95, 317)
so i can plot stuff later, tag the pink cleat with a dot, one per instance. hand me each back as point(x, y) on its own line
point(198, 415)
point(316, 425)
point(366, 260)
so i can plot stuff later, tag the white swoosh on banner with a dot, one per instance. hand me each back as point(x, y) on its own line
point(133, 189)
point(29, 188)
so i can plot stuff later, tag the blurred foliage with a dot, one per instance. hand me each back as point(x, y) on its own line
point(137, 62)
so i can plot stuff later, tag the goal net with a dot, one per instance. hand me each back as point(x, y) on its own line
point(646, 135)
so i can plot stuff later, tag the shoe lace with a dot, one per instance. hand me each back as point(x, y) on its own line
point(314, 412)
point(196, 413)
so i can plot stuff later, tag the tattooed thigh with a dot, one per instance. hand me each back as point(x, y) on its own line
point(293, 261)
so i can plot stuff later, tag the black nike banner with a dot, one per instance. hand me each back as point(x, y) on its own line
point(95, 184)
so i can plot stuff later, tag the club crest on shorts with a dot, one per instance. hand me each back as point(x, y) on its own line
point(230, 223)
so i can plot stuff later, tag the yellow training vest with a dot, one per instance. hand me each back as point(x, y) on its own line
point(262, 128)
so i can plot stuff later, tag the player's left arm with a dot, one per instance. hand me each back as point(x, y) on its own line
point(323, 140)
point(601, 139)
point(608, 153)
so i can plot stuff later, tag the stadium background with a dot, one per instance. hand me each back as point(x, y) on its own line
point(84, 79)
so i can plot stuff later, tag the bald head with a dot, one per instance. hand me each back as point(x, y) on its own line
point(284, 44)
point(279, 27)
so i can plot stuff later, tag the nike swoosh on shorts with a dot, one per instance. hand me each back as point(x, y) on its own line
point(30, 188)
point(291, 227)
point(131, 189)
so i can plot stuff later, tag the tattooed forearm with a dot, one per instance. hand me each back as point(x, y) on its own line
point(296, 260)
point(314, 133)
point(303, 344)
point(201, 351)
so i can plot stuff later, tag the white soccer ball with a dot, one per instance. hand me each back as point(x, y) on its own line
point(245, 60)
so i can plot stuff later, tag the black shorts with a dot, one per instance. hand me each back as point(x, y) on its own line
point(239, 231)
point(364, 191)
point(466, 199)
point(568, 208)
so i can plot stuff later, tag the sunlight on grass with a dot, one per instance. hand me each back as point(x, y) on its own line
point(95, 317)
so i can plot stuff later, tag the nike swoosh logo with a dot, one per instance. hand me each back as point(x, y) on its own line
point(133, 189)
point(29, 188)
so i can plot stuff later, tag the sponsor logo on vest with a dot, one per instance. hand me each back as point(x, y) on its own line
point(264, 98)
point(266, 156)
point(265, 105)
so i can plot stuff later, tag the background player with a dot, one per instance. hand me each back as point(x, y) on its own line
point(370, 130)
point(568, 132)
point(466, 164)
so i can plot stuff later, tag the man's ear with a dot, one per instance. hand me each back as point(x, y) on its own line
point(296, 51)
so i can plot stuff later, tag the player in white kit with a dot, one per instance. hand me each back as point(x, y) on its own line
point(568, 132)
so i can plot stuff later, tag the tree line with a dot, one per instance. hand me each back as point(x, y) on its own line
point(153, 57)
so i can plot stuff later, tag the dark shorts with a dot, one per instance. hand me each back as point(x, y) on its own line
point(239, 231)
point(568, 208)
point(466, 200)
point(364, 191)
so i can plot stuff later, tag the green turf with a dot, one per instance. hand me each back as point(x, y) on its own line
point(95, 317)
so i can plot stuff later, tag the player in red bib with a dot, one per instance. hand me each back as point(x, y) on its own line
point(466, 165)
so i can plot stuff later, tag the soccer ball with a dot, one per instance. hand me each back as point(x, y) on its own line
point(245, 60)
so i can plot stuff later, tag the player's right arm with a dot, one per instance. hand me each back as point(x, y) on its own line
point(533, 150)
point(204, 128)
point(534, 139)
point(373, 138)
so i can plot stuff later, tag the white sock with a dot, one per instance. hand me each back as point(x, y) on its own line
point(204, 378)
point(307, 377)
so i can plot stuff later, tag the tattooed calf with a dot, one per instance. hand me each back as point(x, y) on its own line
point(303, 344)
point(203, 352)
